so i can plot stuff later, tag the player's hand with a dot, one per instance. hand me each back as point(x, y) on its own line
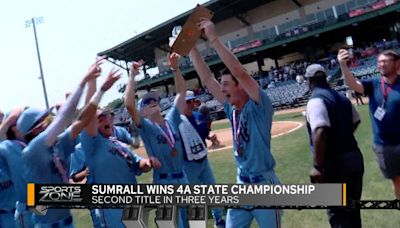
point(112, 77)
point(174, 60)
point(155, 163)
point(316, 176)
point(343, 56)
point(95, 69)
point(208, 29)
point(135, 68)
point(86, 172)
point(213, 137)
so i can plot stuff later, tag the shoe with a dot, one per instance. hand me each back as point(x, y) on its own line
point(219, 223)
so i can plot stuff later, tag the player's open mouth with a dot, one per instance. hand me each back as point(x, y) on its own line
point(107, 127)
point(228, 95)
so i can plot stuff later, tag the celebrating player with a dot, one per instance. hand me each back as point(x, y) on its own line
point(161, 136)
point(49, 144)
point(101, 149)
point(250, 112)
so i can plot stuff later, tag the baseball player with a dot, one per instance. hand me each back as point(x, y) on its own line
point(110, 161)
point(7, 200)
point(78, 168)
point(11, 165)
point(194, 135)
point(161, 136)
point(49, 144)
point(250, 113)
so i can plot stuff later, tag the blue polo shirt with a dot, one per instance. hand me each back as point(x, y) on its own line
point(386, 132)
point(255, 135)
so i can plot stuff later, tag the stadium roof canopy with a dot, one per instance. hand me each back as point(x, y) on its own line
point(142, 46)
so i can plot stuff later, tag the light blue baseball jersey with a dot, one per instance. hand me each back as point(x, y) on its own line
point(254, 122)
point(78, 161)
point(39, 165)
point(7, 192)
point(7, 200)
point(110, 162)
point(157, 145)
point(106, 163)
point(122, 135)
point(11, 164)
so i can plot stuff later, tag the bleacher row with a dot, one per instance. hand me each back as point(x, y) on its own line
point(288, 94)
point(291, 94)
point(284, 94)
point(286, 30)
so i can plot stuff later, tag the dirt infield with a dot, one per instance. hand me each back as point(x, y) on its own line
point(279, 128)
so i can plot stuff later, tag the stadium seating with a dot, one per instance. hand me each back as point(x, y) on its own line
point(287, 94)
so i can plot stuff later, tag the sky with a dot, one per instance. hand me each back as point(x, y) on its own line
point(71, 35)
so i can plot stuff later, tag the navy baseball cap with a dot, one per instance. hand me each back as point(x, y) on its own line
point(30, 118)
point(313, 69)
point(153, 95)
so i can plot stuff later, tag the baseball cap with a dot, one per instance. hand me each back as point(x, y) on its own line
point(313, 69)
point(205, 113)
point(190, 95)
point(153, 95)
point(104, 112)
point(30, 118)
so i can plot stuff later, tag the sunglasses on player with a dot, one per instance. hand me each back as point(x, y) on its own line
point(149, 101)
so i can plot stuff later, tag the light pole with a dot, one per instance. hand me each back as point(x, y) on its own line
point(33, 21)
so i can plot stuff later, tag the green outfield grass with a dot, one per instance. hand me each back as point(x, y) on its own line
point(293, 162)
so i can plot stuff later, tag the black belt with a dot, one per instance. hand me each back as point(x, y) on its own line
point(173, 175)
point(2, 211)
point(64, 222)
point(251, 179)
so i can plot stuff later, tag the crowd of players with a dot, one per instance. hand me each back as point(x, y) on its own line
point(38, 147)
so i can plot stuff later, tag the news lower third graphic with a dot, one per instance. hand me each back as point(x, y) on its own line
point(221, 195)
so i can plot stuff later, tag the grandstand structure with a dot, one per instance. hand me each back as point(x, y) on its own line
point(265, 34)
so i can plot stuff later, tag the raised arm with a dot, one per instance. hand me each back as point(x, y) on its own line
point(91, 127)
point(206, 75)
point(130, 94)
point(180, 83)
point(350, 80)
point(67, 111)
point(88, 114)
point(231, 62)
